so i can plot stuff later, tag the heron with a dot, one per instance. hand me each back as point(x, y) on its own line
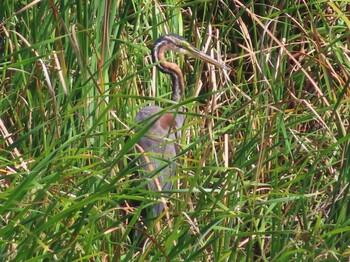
point(158, 145)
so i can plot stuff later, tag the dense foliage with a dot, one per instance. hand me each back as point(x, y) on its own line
point(263, 171)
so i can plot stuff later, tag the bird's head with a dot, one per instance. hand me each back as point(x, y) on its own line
point(178, 44)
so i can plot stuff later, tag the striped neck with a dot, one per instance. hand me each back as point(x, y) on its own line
point(158, 54)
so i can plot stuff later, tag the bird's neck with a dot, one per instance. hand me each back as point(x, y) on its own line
point(172, 69)
point(177, 81)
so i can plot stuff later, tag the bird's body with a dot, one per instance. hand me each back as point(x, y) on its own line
point(159, 148)
point(158, 145)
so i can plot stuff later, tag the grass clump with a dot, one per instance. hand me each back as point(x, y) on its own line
point(263, 170)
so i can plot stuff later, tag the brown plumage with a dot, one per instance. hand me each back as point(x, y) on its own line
point(159, 143)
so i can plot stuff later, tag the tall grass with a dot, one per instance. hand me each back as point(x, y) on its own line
point(263, 170)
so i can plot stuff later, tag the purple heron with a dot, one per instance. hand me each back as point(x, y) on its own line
point(158, 145)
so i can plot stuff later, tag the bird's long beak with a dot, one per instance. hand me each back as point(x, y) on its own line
point(204, 57)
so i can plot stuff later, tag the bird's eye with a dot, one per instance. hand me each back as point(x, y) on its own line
point(184, 44)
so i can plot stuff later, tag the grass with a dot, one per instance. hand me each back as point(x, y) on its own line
point(263, 170)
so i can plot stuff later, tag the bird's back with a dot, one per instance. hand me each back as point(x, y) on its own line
point(158, 147)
